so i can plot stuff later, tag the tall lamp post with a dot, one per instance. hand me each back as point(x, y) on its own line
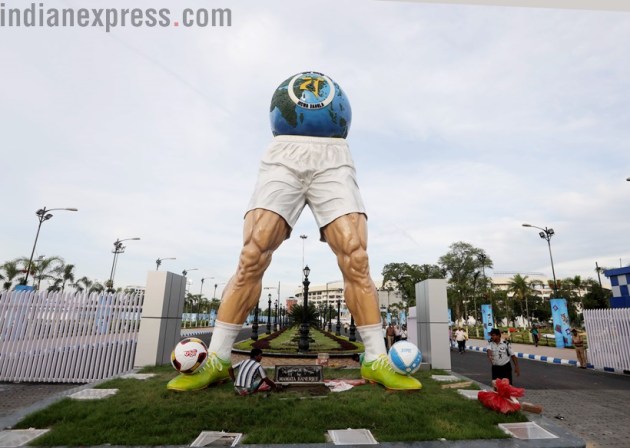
point(275, 319)
point(303, 342)
point(338, 328)
point(546, 234)
point(269, 316)
point(255, 324)
point(303, 237)
point(159, 261)
point(353, 330)
point(42, 215)
point(119, 248)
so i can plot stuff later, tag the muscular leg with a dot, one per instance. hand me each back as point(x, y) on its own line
point(263, 233)
point(347, 237)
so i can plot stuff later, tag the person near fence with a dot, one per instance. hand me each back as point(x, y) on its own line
point(535, 335)
point(500, 354)
point(580, 350)
point(461, 337)
point(309, 164)
point(251, 376)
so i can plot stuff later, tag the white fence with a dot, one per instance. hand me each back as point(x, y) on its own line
point(69, 338)
point(608, 333)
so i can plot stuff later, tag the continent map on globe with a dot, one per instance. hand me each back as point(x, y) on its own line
point(312, 104)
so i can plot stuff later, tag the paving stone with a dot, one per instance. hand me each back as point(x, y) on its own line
point(19, 437)
point(93, 394)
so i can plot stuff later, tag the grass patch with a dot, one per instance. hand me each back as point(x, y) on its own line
point(146, 413)
point(286, 341)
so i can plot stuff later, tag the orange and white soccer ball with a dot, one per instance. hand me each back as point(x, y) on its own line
point(189, 355)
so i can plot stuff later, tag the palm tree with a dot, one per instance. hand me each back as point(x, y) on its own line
point(83, 284)
point(11, 271)
point(44, 268)
point(521, 289)
point(67, 275)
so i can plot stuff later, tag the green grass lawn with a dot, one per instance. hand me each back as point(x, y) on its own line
point(146, 413)
point(286, 341)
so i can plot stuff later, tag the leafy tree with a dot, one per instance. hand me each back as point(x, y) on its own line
point(521, 290)
point(405, 276)
point(67, 275)
point(312, 315)
point(596, 296)
point(462, 264)
point(11, 271)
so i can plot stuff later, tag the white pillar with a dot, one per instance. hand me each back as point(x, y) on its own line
point(160, 325)
point(432, 323)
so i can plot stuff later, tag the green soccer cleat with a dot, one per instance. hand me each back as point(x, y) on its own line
point(215, 370)
point(380, 371)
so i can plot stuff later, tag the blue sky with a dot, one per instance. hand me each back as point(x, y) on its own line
point(467, 122)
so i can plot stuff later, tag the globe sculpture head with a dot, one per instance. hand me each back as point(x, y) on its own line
point(310, 103)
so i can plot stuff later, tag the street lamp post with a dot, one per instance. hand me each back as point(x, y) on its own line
point(42, 215)
point(275, 319)
point(303, 237)
point(338, 328)
point(269, 316)
point(255, 324)
point(118, 249)
point(303, 343)
point(546, 234)
point(159, 261)
point(353, 335)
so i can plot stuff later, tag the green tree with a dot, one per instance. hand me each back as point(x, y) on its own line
point(461, 265)
point(66, 275)
point(312, 315)
point(521, 290)
point(596, 296)
point(10, 271)
point(405, 276)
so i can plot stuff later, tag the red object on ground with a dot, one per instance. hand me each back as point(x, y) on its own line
point(503, 399)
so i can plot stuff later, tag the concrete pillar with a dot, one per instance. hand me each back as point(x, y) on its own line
point(160, 325)
point(432, 323)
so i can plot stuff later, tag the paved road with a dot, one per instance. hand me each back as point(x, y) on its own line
point(589, 403)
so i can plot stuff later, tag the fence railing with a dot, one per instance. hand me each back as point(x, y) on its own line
point(67, 337)
point(608, 333)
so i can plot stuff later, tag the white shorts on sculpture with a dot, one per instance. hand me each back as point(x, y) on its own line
point(315, 171)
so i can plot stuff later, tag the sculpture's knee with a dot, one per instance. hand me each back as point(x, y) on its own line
point(356, 265)
point(252, 263)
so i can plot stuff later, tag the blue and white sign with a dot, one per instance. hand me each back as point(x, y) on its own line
point(487, 319)
point(561, 327)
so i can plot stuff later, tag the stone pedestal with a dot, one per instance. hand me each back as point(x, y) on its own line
point(431, 320)
point(160, 325)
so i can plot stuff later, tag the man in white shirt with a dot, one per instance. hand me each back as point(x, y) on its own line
point(460, 337)
point(499, 354)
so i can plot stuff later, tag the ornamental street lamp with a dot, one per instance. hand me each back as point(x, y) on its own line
point(546, 234)
point(303, 343)
point(275, 319)
point(303, 237)
point(353, 335)
point(255, 324)
point(186, 271)
point(118, 249)
point(338, 329)
point(201, 289)
point(269, 316)
point(42, 215)
point(159, 261)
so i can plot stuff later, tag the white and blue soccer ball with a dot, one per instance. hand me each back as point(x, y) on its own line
point(405, 357)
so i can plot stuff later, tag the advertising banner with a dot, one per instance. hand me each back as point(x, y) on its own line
point(487, 319)
point(561, 328)
point(450, 318)
point(402, 317)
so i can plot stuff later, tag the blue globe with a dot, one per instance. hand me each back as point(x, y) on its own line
point(310, 103)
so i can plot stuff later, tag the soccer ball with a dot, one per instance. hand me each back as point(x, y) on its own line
point(405, 357)
point(189, 355)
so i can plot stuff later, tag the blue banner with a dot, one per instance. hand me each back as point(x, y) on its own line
point(561, 327)
point(213, 317)
point(402, 317)
point(388, 318)
point(487, 319)
point(450, 318)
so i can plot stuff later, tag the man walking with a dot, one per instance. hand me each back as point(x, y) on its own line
point(461, 337)
point(580, 350)
point(499, 354)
